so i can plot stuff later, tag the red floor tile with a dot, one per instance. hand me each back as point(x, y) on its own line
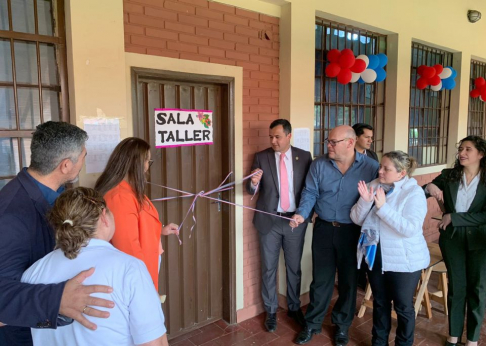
point(428, 332)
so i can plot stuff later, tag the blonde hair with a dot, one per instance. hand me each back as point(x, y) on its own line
point(74, 218)
point(402, 161)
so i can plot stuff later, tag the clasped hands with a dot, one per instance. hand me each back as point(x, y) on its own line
point(367, 194)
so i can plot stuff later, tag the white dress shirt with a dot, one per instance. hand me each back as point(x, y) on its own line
point(290, 175)
point(466, 193)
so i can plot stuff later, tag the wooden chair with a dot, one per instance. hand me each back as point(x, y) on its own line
point(440, 296)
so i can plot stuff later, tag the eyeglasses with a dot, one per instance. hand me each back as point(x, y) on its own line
point(150, 163)
point(332, 142)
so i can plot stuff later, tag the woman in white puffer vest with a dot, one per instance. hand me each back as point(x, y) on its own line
point(391, 211)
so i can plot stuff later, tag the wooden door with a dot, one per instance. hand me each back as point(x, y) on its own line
point(191, 274)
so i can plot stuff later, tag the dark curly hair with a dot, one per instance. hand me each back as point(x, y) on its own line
point(74, 218)
point(457, 170)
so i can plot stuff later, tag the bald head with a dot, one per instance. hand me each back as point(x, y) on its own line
point(344, 139)
point(342, 131)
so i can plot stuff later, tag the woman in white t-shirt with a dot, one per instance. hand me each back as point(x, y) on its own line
point(84, 227)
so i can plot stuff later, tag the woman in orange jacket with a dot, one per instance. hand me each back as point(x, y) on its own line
point(137, 225)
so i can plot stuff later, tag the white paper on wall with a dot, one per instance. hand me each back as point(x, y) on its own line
point(104, 135)
point(301, 138)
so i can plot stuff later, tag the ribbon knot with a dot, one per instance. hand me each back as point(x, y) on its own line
point(222, 187)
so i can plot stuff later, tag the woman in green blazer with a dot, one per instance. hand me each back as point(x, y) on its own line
point(462, 240)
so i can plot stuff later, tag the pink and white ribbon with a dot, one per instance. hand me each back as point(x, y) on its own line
point(220, 188)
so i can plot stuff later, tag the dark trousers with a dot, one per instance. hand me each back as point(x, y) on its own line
point(399, 288)
point(333, 248)
point(466, 271)
point(292, 241)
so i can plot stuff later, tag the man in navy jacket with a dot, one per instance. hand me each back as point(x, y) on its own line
point(57, 156)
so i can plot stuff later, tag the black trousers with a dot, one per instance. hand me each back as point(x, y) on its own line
point(333, 248)
point(398, 288)
point(466, 270)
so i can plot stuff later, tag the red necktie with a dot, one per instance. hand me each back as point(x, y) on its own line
point(284, 185)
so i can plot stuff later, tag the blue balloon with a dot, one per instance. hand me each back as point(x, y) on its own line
point(380, 74)
point(360, 80)
point(374, 61)
point(448, 83)
point(383, 60)
point(454, 73)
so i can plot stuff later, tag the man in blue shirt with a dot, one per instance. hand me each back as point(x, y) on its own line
point(331, 189)
point(57, 156)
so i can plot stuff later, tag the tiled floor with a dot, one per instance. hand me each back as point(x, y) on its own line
point(252, 332)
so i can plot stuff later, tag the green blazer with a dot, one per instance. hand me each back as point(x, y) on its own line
point(473, 222)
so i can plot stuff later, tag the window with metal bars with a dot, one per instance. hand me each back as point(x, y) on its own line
point(33, 79)
point(477, 108)
point(336, 104)
point(429, 110)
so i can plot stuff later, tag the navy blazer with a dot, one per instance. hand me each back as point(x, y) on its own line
point(268, 190)
point(25, 237)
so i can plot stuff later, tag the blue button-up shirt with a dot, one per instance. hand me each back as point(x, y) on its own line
point(332, 194)
point(49, 194)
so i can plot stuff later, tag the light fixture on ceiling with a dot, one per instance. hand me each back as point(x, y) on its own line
point(473, 16)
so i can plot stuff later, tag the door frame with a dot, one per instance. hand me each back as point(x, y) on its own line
point(141, 130)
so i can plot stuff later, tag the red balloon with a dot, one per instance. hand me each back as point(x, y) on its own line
point(438, 69)
point(479, 82)
point(333, 55)
point(475, 93)
point(435, 80)
point(420, 69)
point(483, 94)
point(346, 60)
point(429, 72)
point(344, 77)
point(422, 83)
point(347, 51)
point(333, 69)
point(359, 66)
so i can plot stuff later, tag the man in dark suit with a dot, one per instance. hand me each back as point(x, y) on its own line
point(57, 156)
point(282, 171)
point(364, 139)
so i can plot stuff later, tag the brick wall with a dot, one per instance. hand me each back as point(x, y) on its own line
point(206, 31)
point(431, 230)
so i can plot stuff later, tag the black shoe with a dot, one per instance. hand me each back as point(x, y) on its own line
point(341, 337)
point(447, 343)
point(297, 316)
point(306, 335)
point(271, 322)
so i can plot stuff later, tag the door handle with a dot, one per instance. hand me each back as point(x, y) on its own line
point(219, 203)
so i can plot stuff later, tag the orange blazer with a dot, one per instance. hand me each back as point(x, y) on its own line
point(137, 232)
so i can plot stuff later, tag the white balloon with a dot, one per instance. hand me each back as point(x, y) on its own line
point(364, 58)
point(355, 77)
point(446, 73)
point(481, 98)
point(436, 87)
point(368, 75)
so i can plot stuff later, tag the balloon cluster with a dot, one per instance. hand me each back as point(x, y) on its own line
point(480, 90)
point(350, 69)
point(437, 76)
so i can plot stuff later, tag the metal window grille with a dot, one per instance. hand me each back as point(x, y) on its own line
point(336, 104)
point(429, 110)
point(477, 108)
point(33, 77)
